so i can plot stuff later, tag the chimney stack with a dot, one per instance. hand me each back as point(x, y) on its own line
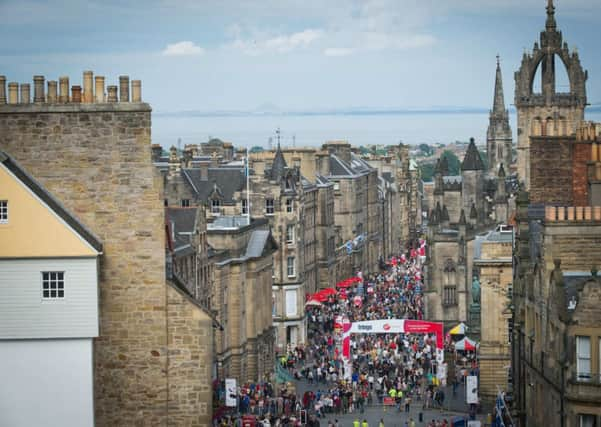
point(2, 90)
point(123, 88)
point(111, 94)
point(99, 81)
point(136, 91)
point(63, 95)
point(13, 93)
point(76, 94)
point(25, 93)
point(88, 90)
point(52, 91)
point(38, 89)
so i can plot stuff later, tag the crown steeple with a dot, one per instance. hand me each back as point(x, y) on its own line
point(551, 25)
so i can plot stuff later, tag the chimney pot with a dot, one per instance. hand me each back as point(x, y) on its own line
point(136, 91)
point(63, 95)
point(111, 94)
point(25, 93)
point(52, 91)
point(38, 89)
point(123, 88)
point(2, 90)
point(13, 93)
point(76, 94)
point(88, 90)
point(99, 80)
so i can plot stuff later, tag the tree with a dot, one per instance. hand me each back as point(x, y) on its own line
point(426, 149)
point(426, 171)
point(256, 149)
point(453, 161)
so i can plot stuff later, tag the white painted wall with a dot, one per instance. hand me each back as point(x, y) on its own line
point(23, 312)
point(46, 383)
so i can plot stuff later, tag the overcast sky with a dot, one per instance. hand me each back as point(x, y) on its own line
point(294, 54)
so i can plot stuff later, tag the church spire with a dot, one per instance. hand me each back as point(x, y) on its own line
point(551, 24)
point(499, 101)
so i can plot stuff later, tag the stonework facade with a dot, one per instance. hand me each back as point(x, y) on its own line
point(245, 341)
point(95, 158)
point(492, 260)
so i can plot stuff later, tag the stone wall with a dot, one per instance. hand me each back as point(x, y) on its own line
point(581, 155)
point(96, 160)
point(190, 332)
point(551, 171)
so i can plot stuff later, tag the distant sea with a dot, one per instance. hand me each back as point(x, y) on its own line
point(313, 129)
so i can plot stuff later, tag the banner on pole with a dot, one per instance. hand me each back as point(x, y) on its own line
point(230, 392)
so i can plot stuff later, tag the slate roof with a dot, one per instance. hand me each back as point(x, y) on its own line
point(356, 167)
point(472, 160)
point(227, 180)
point(256, 243)
point(51, 201)
point(181, 222)
point(278, 167)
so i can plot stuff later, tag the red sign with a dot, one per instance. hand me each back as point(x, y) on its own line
point(389, 401)
point(386, 327)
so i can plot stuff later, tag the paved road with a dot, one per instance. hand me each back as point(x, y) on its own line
point(453, 407)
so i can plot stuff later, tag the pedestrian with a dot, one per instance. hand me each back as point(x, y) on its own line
point(381, 424)
point(364, 423)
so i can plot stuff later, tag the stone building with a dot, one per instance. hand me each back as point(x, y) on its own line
point(498, 136)
point(463, 207)
point(188, 252)
point(93, 152)
point(242, 288)
point(492, 260)
point(550, 112)
point(289, 202)
point(557, 322)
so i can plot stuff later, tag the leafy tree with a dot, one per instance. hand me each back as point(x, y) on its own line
point(426, 149)
point(427, 171)
point(453, 161)
point(484, 158)
point(256, 149)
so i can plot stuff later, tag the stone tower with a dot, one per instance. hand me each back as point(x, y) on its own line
point(498, 136)
point(549, 112)
point(472, 178)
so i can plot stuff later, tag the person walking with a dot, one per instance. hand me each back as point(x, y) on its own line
point(381, 424)
point(364, 423)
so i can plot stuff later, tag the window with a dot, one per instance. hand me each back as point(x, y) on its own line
point(244, 206)
point(291, 267)
point(587, 420)
point(290, 234)
point(185, 203)
point(289, 205)
point(336, 186)
point(166, 202)
point(53, 284)
point(274, 306)
point(269, 209)
point(449, 295)
point(3, 211)
point(291, 303)
point(583, 358)
point(215, 205)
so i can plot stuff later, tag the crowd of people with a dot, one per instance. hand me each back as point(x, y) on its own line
point(397, 370)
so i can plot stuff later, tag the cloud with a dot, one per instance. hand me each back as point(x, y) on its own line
point(184, 48)
point(338, 51)
point(278, 44)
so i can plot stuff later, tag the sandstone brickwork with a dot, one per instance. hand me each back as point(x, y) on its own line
point(95, 158)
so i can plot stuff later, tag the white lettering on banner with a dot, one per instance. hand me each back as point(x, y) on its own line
point(230, 392)
point(382, 326)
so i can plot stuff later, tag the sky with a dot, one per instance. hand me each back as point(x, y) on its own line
point(291, 55)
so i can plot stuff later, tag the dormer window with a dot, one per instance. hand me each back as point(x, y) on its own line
point(3, 211)
point(215, 206)
point(185, 203)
